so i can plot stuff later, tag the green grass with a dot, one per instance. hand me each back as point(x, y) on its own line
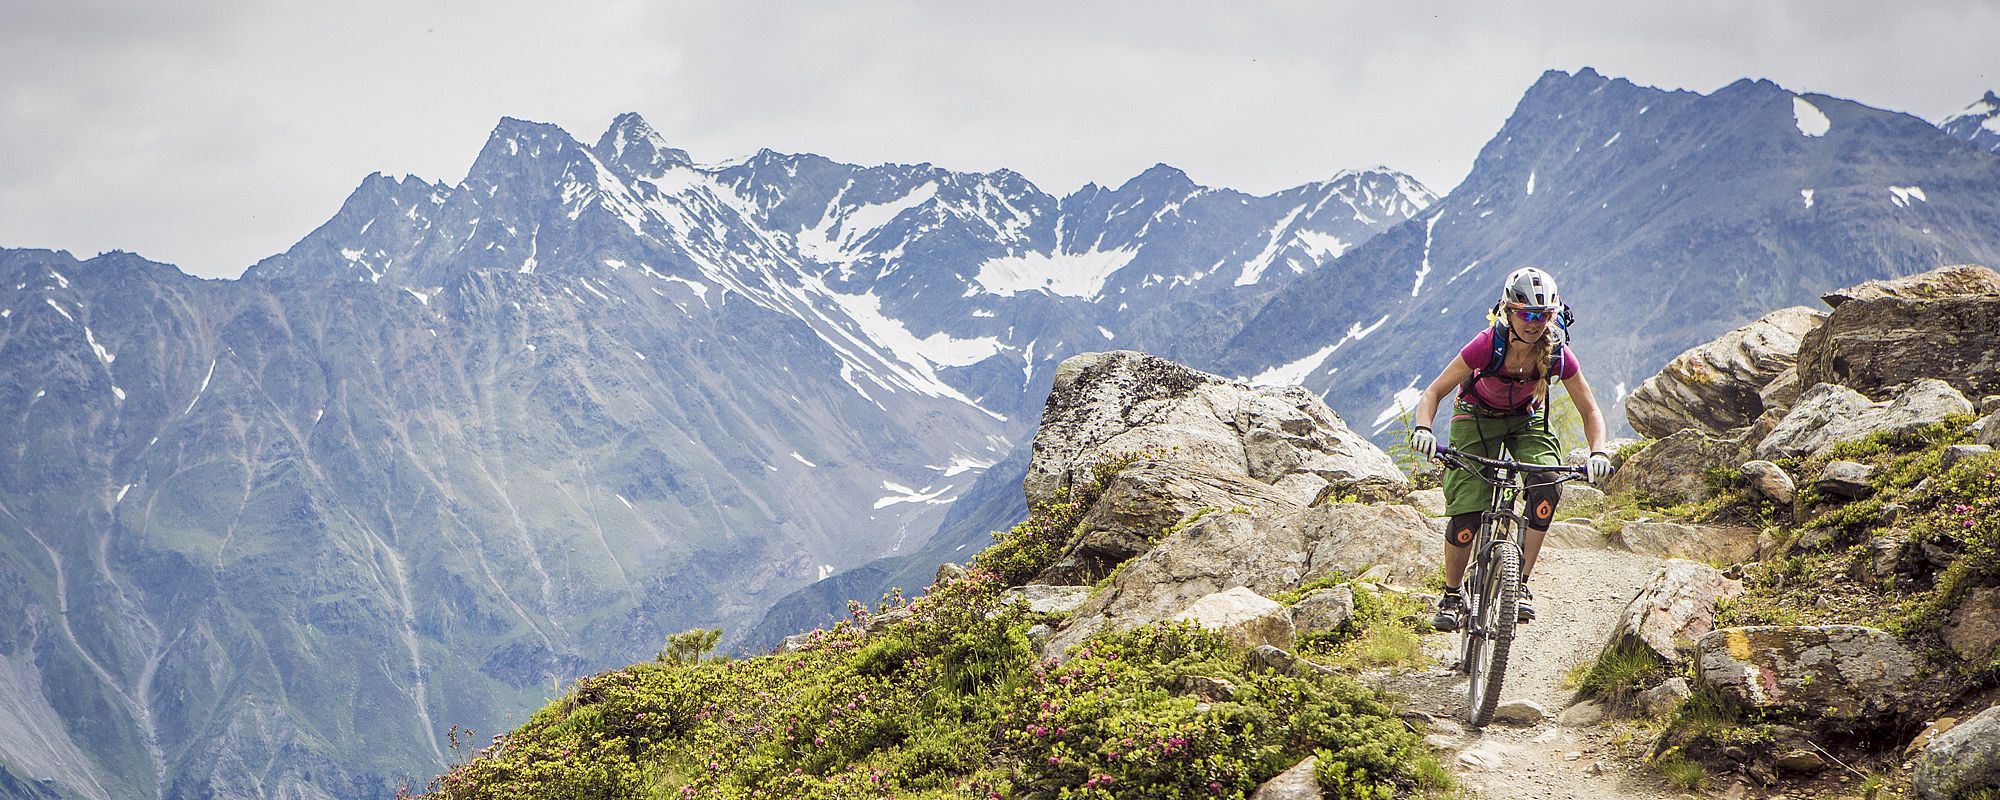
point(1621, 670)
point(1680, 771)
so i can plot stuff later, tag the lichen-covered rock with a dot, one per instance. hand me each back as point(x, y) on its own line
point(1828, 414)
point(1673, 609)
point(1103, 405)
point(1960, 760)
point(1839, 671)
point(1248, 619)
point(1771, 481)
point(1323, 610)
point(1675, 469)
point(1935, 325)
point(1715, 544)
point(1429, 501)
point(1717, 386)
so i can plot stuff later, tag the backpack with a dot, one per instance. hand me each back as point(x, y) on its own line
point(1500, 338)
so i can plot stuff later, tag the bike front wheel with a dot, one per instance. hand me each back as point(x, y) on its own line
point(1493, 627)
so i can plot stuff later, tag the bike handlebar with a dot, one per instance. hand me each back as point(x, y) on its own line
point(1517, 466)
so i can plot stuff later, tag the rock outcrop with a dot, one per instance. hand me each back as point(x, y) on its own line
point(1718, 386)
point(1882, 334)
point(1715, 544)
point(1833, 671)
point(1673, 610)
point(1675, 469)
point(1106, 404)
point(1829, 413)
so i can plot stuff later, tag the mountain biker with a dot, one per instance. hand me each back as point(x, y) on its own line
point(1507, 404)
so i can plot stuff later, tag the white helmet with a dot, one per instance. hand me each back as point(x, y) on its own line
point(1530, 289)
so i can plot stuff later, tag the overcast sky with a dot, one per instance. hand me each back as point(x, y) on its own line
point(210, 134)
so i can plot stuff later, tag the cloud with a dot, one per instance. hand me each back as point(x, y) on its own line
point(211, 134)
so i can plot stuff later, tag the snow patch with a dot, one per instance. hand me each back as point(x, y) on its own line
point(1531, 183)
point(120, 393)
point(424, 295)
point(103, 355)
point(1404, 400)
point(824, 571)
point(1811, 121)
point(59, 278)
point(621, 499)
point(59, 309)
point(802, 460)
point(121, 494)
point(1253, 270)
point(1295, 372)
point(1107, 333)
point(204, 388)
point(905, 494)
point(1900, 195)
point(1807, 195)
point(1067, 274)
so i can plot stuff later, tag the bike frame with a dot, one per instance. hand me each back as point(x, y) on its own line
point(1494, 573)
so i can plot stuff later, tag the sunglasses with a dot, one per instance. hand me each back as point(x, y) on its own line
point(1532, 316)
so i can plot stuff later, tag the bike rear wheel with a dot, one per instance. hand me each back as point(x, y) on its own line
point(1492, 628)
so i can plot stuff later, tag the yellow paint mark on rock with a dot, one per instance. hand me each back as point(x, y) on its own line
point(1739, 645)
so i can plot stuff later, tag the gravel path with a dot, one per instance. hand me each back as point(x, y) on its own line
point(1579, 594)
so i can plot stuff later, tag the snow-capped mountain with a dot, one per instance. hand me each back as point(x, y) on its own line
point(1979, 123)
point(1668, 217)
point(273, 536)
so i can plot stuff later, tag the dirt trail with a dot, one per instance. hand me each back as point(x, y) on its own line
point(1579, 594)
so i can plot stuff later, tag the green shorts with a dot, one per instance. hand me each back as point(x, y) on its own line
point(1524, 435)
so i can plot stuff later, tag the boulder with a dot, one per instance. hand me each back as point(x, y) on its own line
point(1960, 452)
point(1103, 405)
point(1267, 658)
point(1974, 628)
point(1827, 414)
point(1266, 554)
point(1989, 404)
point(948, 572)
point(1716, 544)
point(1663, 700)
point(1936, 325)
point(1673, 609)
point(1845, 671)
point(1781, 393)
point(1846, 479)
point(1960, 760)
point(1675, 469)
point(1297, 783)
point(1520, 712)
point(1577, 455)
point(1248, 619)
point(1580, 495)
point(1046, 599)
point(1323, 610)
point(1582, 715)
point(1717, 386)
point(1770, 480)
point(1576, 536)
point(1142, 503)
point(1203, 687)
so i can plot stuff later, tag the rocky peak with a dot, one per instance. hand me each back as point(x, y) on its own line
point(634, 147)
point(1979, 123)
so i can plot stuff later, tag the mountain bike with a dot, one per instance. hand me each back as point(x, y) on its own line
point(1494, 576)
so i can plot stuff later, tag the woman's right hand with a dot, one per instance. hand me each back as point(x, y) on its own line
point(1424, 443)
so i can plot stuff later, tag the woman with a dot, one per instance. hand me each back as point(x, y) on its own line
point(1506, 404)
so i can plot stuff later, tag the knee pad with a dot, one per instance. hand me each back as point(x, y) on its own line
point(1461, 529)
point(1542, 502)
